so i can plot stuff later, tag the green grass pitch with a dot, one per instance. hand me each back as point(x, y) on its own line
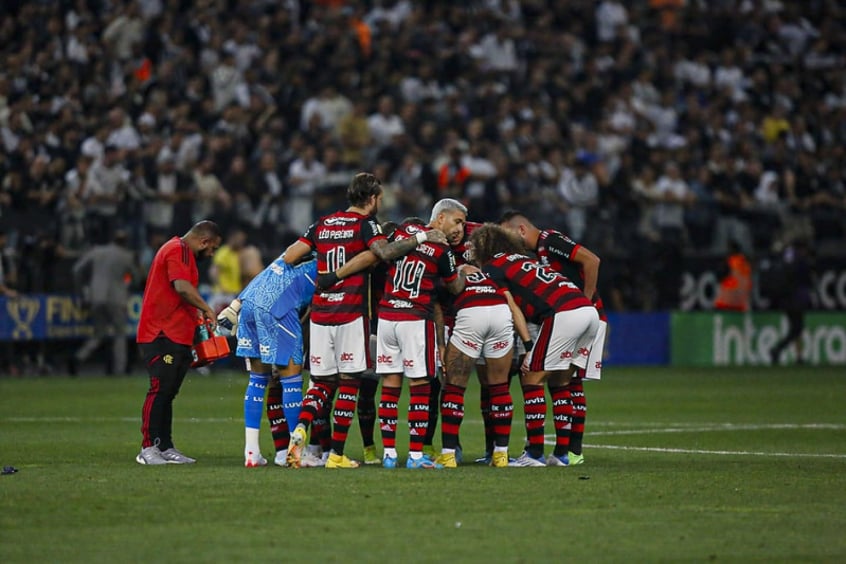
point(731, 465)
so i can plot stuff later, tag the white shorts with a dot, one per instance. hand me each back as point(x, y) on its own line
point(565, 339)
point(335, 349)
point(485, 331)
point(594, 367)
point(406, 347)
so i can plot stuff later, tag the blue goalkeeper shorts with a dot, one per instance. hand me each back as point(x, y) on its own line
point(274, 341)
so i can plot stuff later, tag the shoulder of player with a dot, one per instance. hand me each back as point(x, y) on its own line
point(177, 249)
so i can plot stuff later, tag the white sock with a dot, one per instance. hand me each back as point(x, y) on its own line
point(415, 455)
point(251, 443)
point(500, 449)
point(392, 452)
point(447, 451)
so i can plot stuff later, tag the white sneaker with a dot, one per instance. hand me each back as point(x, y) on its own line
point(312, 460)
point(527, 461)
point(173, 456)
point(281, 458)
point(150, 456)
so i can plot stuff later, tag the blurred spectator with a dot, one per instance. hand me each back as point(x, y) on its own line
point(103, 276)
point(674, 195)
point(225, 270)
point(304, 174)
point(384, 124)
point(735, 288)
point(795, 297)
point(103, 193)
point(7, 267)
point(580, 191)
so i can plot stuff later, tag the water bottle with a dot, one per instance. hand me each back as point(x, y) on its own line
point(204, 332)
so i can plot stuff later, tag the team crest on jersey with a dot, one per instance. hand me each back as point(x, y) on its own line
point(167, 359)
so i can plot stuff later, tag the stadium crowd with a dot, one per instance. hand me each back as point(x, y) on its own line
point(645, 128)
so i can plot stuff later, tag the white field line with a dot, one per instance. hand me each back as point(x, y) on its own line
point(550, 439)
point(715, 452)
point(720, 427)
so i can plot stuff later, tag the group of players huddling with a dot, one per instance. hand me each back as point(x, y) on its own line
point(448, 297)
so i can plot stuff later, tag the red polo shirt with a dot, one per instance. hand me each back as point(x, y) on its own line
point(163, 311)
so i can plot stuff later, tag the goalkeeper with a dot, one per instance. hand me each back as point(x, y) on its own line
point(266, 319)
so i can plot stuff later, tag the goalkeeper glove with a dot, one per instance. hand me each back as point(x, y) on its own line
point(228, 318)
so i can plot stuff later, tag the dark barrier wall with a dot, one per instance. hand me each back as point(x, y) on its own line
point(678, 338)
point(700, 281)
point(637, 339)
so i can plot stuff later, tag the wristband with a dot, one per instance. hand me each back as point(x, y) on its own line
point(421, 237)
point(528, 345)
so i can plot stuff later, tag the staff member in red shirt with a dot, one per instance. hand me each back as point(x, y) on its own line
point(166, 332)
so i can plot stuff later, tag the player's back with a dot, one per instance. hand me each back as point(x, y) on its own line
point(479, 291)
point(410, 285)
point(336, 239)
point(281, 287)
point(538, 290)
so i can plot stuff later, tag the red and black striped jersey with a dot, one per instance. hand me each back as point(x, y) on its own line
point(337, 238)
point(462, 250)
point(556, 251)
point(479, 291)
point(410, 286)
point(462, 256)
point(538, 290)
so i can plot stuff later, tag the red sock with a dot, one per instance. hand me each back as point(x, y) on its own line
point(276, 416)
point(418, 416)
point(562, 413)
point(344, 412)
point(316, 398)
point(388, 416)
point(577, 432)
point(452, 414)
point(502, 407)
point(534, 400)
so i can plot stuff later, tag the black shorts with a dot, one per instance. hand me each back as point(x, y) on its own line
point(163, 356)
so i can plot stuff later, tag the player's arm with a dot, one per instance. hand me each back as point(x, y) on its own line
point(520, 324)
point(295, 252)
point(440, 334)
point(401, 247)
point(189, 294)
point(359, 262)
point(590, 268)
point(456, 285)
point(568, 249)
